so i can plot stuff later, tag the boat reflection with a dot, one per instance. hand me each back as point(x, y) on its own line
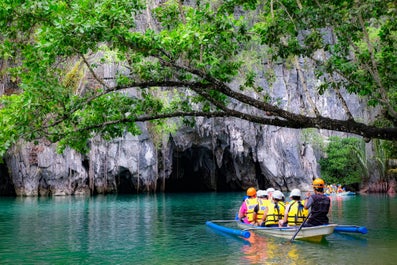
point(270, 250)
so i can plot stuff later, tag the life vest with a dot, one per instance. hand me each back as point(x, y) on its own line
point(262, 204)
point(297, 213)
point(275, 213)
point(251, 204)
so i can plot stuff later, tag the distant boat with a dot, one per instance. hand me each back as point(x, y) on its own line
point(341, 194)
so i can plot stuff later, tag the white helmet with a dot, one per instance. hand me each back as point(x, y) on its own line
point(295, 192)
point(270, 190)
point(278, 195)
point(260, 193)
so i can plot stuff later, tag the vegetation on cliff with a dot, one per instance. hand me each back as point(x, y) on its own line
point(197, 51)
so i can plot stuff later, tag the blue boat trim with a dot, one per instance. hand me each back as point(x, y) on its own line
point(237, 232)
point(351, 229)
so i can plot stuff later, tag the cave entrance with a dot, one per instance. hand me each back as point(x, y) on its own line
point(193, 170)
point(196, 170)
point(124, 183)
point(6, 185)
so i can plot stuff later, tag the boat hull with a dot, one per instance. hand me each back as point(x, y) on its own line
point(314, 233)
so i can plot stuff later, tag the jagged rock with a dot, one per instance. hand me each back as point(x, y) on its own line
point(221, 154)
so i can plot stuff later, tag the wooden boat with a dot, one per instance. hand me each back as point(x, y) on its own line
point(314, 233)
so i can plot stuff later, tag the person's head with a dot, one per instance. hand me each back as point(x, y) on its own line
point(251, 192)
point(245, 197)
point(318, 185)
point(265, 195)
point(278, 195)
point(269, 192)
point(260, 194)
point(295, 194)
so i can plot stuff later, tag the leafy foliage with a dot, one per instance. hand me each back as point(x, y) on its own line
point(212, 56)
point(342, 163)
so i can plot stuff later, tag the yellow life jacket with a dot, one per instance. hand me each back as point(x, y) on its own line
point(251, 203)
point(275, 213)
point(262, 204)
point(297, 213)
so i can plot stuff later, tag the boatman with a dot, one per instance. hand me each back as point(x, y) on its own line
point(318, 203)
point(246, 212)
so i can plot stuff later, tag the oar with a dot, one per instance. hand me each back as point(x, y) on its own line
point(300, 227)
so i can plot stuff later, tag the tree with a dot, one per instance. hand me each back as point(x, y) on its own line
point(343, 163)
point(190, 55)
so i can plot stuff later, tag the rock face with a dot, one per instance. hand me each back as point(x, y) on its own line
point(221, 154)
point(124, 165)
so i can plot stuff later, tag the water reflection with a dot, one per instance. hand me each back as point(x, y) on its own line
point(269, 250)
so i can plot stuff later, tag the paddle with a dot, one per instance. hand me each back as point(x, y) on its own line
point(300, 227)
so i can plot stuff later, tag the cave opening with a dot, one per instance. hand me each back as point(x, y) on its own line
point(6, 185)
point(124, 183)
point(196, 170)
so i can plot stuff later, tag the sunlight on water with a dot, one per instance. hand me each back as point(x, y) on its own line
point(170, 229)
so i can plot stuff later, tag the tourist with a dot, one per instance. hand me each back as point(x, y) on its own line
point(318, 203)
point(269, 193)
point(295, 213)
point(261, 206)
point(246, 211)
point(274, 212)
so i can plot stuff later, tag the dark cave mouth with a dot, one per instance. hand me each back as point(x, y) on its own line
point(196, 170)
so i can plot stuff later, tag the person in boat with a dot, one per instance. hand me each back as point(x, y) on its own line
point(269, 193)
point(274, 211)
point(295, 213)
point(246, 211)
point(318, 203)
point(329, 190)
point(261, 206)
point(339, 190)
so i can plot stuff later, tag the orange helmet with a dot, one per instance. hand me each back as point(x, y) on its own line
point(318, 183)
point(251, 191)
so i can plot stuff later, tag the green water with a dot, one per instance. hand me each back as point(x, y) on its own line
point(170, 229)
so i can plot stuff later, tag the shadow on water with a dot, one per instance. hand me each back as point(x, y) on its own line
point(346, 239)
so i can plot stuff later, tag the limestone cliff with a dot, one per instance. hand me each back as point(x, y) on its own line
point(222, 154)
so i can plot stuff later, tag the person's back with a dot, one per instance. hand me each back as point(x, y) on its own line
point(246, 211)
point(319, 210)
point(296, 211)
point(275, 211)
point(319, 205)
point(261, 206)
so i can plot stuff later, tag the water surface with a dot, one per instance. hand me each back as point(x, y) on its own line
point(170, 229)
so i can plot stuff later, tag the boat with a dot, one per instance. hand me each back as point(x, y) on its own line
point(313, 233)
point(341, 194)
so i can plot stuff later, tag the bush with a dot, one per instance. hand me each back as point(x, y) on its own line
point(343, 163)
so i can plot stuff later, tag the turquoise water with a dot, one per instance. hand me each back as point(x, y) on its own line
point(170, 229)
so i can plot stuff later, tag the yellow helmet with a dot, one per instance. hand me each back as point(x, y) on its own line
point(251, 191)
point(318, 183)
